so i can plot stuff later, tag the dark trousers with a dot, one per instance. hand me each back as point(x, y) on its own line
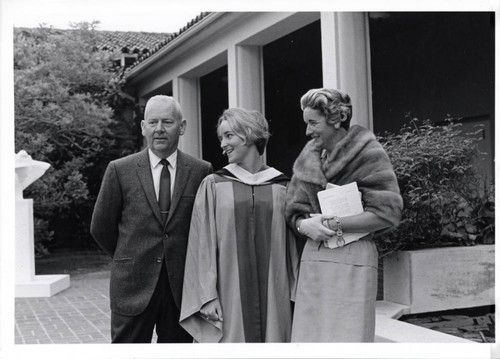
point(161, 311)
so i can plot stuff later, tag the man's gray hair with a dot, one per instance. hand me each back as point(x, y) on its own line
point(167, 100)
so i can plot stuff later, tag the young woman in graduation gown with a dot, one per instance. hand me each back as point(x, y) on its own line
point(241, 260)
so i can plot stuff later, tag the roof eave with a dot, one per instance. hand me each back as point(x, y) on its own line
point(135, 73)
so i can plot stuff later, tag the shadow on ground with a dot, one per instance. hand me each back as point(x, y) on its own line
point(72, 262)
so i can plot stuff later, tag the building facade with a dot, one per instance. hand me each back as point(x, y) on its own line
point(393, 65)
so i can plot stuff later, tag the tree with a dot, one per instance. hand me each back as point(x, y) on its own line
point(64, 90)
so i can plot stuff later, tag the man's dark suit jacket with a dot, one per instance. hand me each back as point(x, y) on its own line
point(127, 224)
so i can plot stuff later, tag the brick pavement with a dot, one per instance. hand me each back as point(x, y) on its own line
point(79, 314)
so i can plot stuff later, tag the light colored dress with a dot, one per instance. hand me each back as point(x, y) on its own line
point(240, 251)
point(336, 293)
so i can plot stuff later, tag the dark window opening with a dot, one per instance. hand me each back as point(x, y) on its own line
point(292, 66)
point(214, 100)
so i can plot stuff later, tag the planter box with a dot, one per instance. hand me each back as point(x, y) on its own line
point(437, 279)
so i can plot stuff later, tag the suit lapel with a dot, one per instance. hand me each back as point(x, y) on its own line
point(146, 179)
point(181, 178)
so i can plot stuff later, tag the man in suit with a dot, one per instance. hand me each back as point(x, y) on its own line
point(141, 219)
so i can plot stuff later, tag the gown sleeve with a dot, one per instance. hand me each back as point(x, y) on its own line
point(200, 276)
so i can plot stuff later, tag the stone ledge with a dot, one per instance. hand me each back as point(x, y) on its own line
point(390, 330)
point(391, 309)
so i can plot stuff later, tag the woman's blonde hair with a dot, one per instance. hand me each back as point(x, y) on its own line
point(251, 126)
point(330, 102)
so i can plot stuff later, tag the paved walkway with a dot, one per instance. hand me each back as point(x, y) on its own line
point(79, 314)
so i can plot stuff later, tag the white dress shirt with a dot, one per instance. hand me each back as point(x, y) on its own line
point(156, 168)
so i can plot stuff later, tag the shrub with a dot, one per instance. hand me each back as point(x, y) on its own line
point(446, 199)
point(65, 94)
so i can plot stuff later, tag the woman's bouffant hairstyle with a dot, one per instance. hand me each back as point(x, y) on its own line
point(251, 126)
point(331, 103)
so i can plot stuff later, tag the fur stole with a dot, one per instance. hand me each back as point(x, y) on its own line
point(358, 157)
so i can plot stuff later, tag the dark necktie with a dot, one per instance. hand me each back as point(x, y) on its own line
point(164, 195)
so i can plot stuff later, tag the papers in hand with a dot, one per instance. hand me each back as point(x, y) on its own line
point(341, 201)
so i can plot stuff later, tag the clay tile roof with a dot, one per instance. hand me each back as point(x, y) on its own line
point(170, 38)
point(127, 42)
point(144, 44)
point(131, 42)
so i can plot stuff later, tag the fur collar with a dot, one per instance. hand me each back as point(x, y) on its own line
point(307, 167)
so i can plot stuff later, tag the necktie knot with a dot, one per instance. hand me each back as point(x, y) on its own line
point(164, 162)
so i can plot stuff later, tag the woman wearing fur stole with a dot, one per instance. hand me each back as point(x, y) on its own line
point(337, 288)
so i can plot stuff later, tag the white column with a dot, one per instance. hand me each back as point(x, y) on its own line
point(346, 60)
point(186, 91)
point(245, 77)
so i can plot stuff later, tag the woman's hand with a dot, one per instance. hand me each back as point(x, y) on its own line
point(313, 227)
point(212, 310)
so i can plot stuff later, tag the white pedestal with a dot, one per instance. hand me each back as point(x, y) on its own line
point(27, 283)
point(42, 286)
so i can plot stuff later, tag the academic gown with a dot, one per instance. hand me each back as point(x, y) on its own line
point(240, 251)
